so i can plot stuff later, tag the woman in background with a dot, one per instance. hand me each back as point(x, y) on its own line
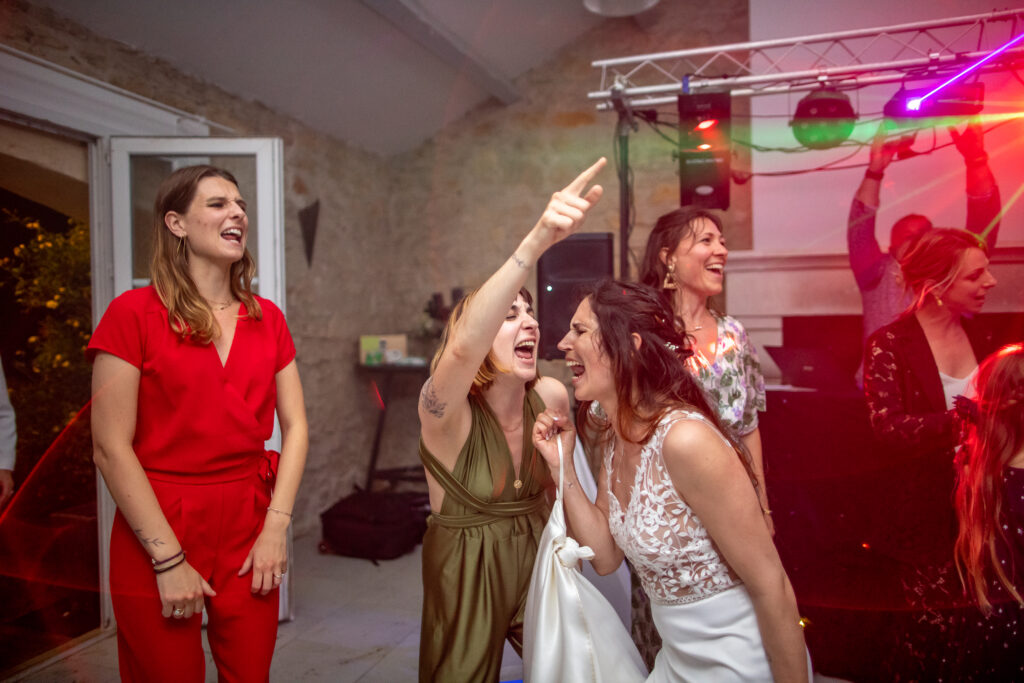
point(676, 496)
point(187, 374)
point(685, 261)
point(913, 369)
point(990, 509)
point(487, 484)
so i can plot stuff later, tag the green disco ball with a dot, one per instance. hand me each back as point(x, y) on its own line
point(823, 119)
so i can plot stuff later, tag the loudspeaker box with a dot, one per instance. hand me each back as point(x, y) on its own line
point(562, 272)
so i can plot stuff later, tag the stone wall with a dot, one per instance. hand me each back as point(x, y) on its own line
point(392, 231)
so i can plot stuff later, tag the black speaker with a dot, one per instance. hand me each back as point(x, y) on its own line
point(705, 149)
point(563, 270)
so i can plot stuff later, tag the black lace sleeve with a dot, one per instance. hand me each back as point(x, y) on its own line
point(893, 421)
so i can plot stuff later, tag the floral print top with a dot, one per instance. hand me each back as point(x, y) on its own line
point(732, 381)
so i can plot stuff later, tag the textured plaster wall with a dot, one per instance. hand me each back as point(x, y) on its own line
point(393, 231)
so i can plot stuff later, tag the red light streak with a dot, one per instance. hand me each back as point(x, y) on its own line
point(709, 123)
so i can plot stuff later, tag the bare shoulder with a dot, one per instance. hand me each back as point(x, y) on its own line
point(693, 442)
point(553, 393)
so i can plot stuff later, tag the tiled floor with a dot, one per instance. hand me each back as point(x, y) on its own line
point(353, 622)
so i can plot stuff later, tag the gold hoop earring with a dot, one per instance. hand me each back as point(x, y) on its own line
point(670, 280)
point(182, 251)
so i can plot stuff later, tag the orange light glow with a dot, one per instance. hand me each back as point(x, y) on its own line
point(708, 123)
point(704, 147)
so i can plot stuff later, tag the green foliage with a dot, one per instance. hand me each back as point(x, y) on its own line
point(50, 275)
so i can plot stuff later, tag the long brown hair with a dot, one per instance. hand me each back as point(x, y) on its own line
point(671, 229)
point(489, 369)
point(996, 436)
point(651, 380)
point(189, 313)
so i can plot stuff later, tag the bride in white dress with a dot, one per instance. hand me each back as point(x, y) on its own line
point(675, 495)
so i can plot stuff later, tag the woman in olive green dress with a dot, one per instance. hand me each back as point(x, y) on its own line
point(487, 483)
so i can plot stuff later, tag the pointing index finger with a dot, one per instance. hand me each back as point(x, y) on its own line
point(583, 179)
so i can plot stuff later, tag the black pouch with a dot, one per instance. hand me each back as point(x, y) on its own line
point(375, 525)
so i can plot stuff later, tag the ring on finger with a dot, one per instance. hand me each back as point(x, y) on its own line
point(178, 612)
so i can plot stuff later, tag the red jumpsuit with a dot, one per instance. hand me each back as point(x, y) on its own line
point(199, 435)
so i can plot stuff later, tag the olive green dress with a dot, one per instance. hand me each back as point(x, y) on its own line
point(478, 552)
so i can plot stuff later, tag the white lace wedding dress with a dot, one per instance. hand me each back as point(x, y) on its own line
point(700, 607)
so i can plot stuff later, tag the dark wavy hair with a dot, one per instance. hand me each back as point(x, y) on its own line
point(652, 380)
point(670, 229)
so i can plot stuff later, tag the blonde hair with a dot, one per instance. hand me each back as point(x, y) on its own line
point(189, 313)
point(489, 369)
point(935, 259)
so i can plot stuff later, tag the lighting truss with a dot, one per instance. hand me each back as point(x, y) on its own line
point(841, 60)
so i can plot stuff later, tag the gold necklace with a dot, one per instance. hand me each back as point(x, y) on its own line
point(218, 305)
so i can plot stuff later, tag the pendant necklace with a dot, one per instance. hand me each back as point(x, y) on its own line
point(218, 305)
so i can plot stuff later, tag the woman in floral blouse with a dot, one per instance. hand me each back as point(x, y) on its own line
point(685, 261)
point(914, 368)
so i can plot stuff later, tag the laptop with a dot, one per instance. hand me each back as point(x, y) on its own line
point(811, 368)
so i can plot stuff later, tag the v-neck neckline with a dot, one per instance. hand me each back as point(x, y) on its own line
point(234, 337)
point(527, 445)
point(623, 509)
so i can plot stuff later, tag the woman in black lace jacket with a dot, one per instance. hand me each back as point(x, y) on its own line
point(914, 369)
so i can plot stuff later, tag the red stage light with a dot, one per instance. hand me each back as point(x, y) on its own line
point(709, 123)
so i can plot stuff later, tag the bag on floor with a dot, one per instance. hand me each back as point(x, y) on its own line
point(375, 525)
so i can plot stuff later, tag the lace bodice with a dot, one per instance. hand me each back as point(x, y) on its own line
point(666, 543)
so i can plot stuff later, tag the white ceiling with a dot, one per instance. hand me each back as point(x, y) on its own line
point(383, 75)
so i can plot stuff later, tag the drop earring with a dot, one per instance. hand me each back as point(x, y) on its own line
point(670, 280)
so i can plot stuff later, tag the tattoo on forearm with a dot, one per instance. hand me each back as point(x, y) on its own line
point(155, 542)
point(518, 261)
point(429, 400)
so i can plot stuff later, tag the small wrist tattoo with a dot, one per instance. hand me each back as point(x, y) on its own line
point(518, 261)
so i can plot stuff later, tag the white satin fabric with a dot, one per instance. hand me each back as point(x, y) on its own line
point(571, 633)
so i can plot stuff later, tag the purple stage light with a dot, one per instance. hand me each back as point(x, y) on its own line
point(915, 104)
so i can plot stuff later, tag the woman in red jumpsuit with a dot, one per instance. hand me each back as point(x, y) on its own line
point(187, 374)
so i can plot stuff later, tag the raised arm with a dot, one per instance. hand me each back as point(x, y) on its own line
point(983, 201)
point(115, 396)
point(588, 521)
point(865, 253)
point(711, 479)
point(443, 407)
point(268, 557)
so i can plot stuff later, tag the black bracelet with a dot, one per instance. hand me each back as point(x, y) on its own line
point(874, 175)
point(161, 570)
point(157, 563)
